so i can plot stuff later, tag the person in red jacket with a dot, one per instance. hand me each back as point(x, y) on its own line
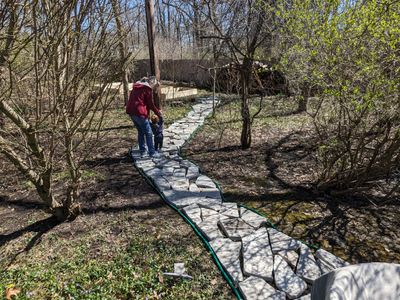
point(139, 104)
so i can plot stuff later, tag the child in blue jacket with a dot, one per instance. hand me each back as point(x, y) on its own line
point(157, 128)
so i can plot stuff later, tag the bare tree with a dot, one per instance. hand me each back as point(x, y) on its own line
point(243, 27)
point(55, 59)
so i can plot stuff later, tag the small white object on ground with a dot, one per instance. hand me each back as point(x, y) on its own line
point(179, 272)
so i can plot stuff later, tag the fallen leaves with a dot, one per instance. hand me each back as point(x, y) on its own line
point(160, 277)
point(12, 291)
point(110, 276)
point(325, 244)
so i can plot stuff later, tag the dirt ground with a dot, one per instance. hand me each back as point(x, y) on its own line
point(276, 176)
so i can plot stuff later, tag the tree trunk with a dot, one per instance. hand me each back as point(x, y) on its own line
point(2, 120)
point(196, 28)
point(303, 100)
point(154, 61)
point(161, 19)
point(213, 95)
point(121, 49)
point(169, 20)
point(6, 49)
point(245, 138)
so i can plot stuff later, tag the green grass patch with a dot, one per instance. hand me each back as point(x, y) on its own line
point(275, 112)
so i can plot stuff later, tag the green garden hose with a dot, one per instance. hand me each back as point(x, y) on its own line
point(237, 293)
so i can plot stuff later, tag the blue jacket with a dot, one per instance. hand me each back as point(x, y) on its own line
point(157, 128)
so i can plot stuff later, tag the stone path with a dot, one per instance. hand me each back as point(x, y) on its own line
point(262, 262)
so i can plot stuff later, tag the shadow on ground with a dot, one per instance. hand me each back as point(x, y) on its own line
point(120, 189)
point(277, 177)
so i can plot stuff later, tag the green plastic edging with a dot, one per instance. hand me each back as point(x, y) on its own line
point(237, 293)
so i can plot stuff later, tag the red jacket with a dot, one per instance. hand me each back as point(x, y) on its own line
point(141, 101)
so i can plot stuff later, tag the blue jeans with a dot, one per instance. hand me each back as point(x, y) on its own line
point(144, 132)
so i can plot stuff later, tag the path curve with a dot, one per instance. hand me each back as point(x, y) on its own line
point(261, 262)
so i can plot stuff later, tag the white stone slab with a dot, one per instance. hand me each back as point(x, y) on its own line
point(290, 256)
point(229, 209)
point(254, 288)
point(209, 202)
point(213, 204)
point(324, 267)
point(305, 297)
point(193, 212)
point(307, 267)
point(162, 183)
point(159, 162)
point(205, 182)
point(168, 171)
point(187, 164)
point(145, 163)
point(330, 260)
point(260, 234)
point(170, 148)
point(280, 241)
point(210, 223)
point(182, 202)
point(228, 205)
point(194, 188)
point(286, 280)
point(179, 184)
point(153, 172)
point(210, 230)
point(257, 256)
point(235, 228)
point(206, 213)
point(147, 168)
point(228, 253)
point(206, 201)
point(172, 164)
point(192, 172)
point(252, 218)
point(183, 198)
point(181, 172)
point(218, 205)
point(178, 142)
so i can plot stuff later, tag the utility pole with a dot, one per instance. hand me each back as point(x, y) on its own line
point(154, 60)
